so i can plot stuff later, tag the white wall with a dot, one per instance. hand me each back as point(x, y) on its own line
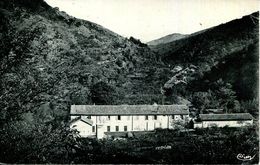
point(113, 122)
point(133, 123)
point(84, 129)
point(205, 124)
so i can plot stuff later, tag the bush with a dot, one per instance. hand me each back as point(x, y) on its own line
point(137, 42)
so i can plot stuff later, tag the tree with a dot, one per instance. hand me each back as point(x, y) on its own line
point(80, 96)
point(137, 42)
point(201, 100)
point(31, 140)
point(226, 96)
point(250, 106)
point(103, 94)
point(180, 124)
point(220, 95)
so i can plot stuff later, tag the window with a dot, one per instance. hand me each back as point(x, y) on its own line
point(172, 116)
point(181, 116)
point(108, 117)
point(125, 128)
point(155, 117)
point(117, 128)
point(93, 128)
point(146, 117)
point(108, 128)
point(89, 117)
point(118, 117)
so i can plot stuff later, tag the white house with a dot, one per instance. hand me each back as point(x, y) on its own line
point(221, 120)
point(99, 120)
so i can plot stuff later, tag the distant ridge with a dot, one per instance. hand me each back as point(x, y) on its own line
point(228, 51)
point(167, 39)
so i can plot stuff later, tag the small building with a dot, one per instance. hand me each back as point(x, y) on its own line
point(82, 124)
point(222, 120)
point(99, 120)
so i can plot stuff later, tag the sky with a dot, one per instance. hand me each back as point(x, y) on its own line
point(151, 19)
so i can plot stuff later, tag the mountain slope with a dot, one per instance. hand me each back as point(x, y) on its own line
point(228, 51)
point(50, 58)
point(167, 39)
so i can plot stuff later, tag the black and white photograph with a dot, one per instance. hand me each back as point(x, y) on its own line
point(129, 82)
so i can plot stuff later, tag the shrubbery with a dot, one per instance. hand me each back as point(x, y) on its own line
point(137, 42)
point(212, 145)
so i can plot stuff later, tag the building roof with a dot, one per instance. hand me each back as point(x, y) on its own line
point(128, 109)
point(226, 117)
point(87, 121)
